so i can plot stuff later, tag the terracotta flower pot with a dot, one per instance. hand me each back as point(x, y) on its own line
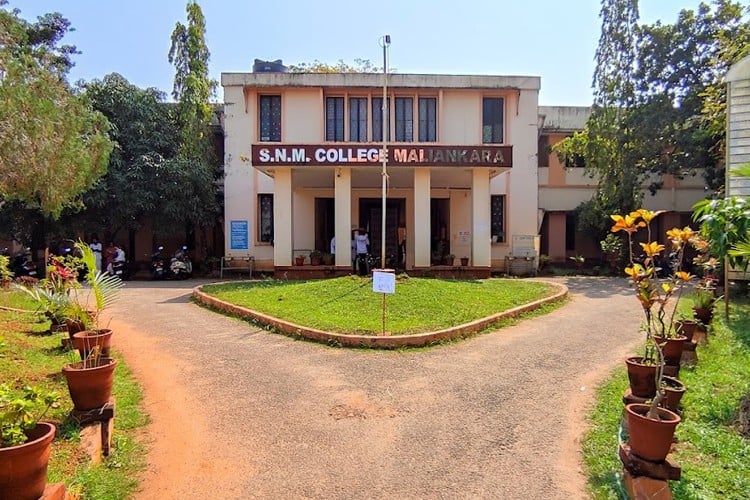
point(674, 389)
point(642, 378)
point(704, 314)
point(650, 439)
point(671, 349)
point(299, 261)
point(90, 387)
point(86, 340)
point(686, 327)
point(23, 468)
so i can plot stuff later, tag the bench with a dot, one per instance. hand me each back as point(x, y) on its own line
point(241, 264)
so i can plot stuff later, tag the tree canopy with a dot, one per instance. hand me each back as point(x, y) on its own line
point(659, 105)
point(53, 145)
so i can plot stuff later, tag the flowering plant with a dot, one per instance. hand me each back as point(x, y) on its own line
point(655, 286)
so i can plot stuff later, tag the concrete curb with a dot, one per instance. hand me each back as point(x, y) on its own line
point(373, 341)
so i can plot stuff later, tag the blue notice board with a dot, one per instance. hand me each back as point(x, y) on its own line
point(238, 235)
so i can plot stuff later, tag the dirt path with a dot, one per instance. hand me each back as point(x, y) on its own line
point(241, 413)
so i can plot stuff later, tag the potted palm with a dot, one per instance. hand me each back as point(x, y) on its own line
point(704, 300)
point(652, 427)
point(90, 380)
point(25, 442)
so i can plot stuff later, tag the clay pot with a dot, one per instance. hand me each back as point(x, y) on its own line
point(686, 327)
point(704, 314)
point(86, 340)
point(464, 261)
point(642, 378)
point(299, 261)
point(650, 439)
point(90, 387)
point(23, 468)
point(671, 349)
point(674, 389)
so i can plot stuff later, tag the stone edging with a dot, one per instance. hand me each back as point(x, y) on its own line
point(375, 341)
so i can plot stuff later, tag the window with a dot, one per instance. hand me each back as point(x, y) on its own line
point(427, 119)
point(404, 119)
point(334, 119)
point(492, 120)
point(270, 118)
point(497, 218)
point(265, 218)
point(358, 119)
point(575, 161)
point(543, 151)
point(377, 119)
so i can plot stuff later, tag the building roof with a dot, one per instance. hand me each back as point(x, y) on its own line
point(563, 118)
point(371, 80)
point(739, 70)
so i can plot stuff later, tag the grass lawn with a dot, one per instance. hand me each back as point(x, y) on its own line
point(29, 356)
point(348, 305)
point(714, 457)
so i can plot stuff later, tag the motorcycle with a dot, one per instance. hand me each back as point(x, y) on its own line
point(23, 265)
point(120, 269)
point(158, 264)
point(181, 267)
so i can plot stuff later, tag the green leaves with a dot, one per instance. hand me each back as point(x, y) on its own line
point(20, 411)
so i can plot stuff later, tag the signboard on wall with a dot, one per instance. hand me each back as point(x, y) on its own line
point(398, 155)
point(238, 235)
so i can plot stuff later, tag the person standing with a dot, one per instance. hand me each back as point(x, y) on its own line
point(96, 247)
point(362, 243)
point(109, 254)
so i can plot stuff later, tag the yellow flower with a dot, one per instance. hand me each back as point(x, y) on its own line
point(627, 223)
point(680, 236)
point(652, 248)
point(646, 215)
point(683, 275)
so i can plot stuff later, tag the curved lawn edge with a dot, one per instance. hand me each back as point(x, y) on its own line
point(376, 341)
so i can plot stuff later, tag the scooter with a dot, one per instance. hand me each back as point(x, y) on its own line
point(120, 269)
point(180, 267)
point(158, 265)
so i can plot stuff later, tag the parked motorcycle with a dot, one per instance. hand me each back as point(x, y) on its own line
point(181, 267)
point(22, 264)
point(158, 264)
point(121, 269)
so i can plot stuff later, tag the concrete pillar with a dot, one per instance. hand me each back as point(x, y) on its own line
point(421, 217)
point(480, 214)
point(343, 210)
point(282, 217)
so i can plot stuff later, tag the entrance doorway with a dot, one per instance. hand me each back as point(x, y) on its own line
point(370, 219)
point(325, 223)
point(439, 229)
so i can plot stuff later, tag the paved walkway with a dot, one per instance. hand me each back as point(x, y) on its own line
point(242, 413)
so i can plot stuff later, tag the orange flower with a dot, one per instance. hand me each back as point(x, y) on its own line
point(652, 248)
point(627, 223)
point(680, 236)
point(646, 215)
point(683, 275)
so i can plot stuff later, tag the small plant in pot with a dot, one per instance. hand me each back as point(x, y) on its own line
point(654, 294)
point(704, 299)
point(24, 441)
point(90, 380)
point(315, 257)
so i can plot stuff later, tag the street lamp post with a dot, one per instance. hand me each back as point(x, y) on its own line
point(386, 42)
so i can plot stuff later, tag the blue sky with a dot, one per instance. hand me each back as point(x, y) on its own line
point(553, 39)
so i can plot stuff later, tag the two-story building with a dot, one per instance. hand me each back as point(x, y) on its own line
point(304, 165)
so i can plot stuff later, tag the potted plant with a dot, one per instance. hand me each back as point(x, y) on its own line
point(654, 294)
point(448, 259)
point(299, 260)
point(464, 261)
point(315, 257)
point(578, 261)
point(328, 259)
point(90, 380)
point(25, 442)
point(704, 300)
point(611, 245)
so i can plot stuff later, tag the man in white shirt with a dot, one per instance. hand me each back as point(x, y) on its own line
point(362, 246)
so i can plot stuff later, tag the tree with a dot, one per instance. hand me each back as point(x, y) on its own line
point(605, 141)
point(53, 146)
point(193, 89)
